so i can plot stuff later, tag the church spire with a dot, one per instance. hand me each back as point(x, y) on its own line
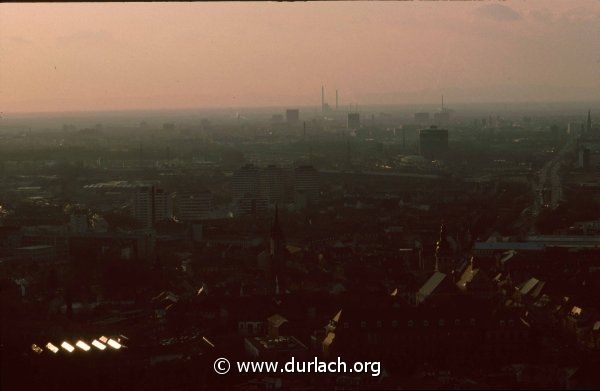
point(442, 250)
point(277, 254)
point(589, 121)
point(442, 245)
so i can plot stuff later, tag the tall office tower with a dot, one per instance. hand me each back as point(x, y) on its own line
point(584, 158)
point(249, 205)
point(151, 204)
point(433, 143)
point(306, 185)
point(246, 188)
point(442, 117)
point(273, 184)
point(142, 205)
point(401, 131)
point(292, 115)
point(422, 118)
point(245, 181)
point(573, 129)
point(193, 206)
point(353, 121)
point(162, 205)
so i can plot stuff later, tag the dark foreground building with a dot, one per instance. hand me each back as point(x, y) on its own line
point(433, 143)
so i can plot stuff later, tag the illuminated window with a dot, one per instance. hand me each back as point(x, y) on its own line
point(67, 346)
point(83, 346)
point(51, 347)
point(113, 344)
point(37, 349)
point(98, 344)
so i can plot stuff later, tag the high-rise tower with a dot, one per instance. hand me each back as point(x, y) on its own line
point(151, 204)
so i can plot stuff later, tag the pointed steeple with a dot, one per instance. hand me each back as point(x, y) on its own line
point(277, 254)
point(442, 245)
point(442, 230)
point(442, 250)
point(589, 121)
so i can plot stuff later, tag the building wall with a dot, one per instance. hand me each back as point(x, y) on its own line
point(151, 204)
point(193, 206)
point(433, 143)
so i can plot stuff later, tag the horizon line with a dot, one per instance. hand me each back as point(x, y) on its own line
point(313, 106)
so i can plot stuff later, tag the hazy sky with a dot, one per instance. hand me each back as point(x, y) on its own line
point(69, 57)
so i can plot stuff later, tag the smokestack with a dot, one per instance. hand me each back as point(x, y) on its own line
point(442, 102)
point(336, 100)
point(322, 98)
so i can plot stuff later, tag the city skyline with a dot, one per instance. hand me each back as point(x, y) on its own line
point(300, 195)
point(113, 56)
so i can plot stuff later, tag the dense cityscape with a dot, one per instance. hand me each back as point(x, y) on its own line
point(457, 245)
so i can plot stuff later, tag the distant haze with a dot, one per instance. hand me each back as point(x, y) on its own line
point(122, 56)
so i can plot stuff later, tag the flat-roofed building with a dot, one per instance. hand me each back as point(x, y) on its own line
point(192, 206)
point(36, 253)
point(151, 204)
point(306, 183)
point(433, 143)
point(292, 115)
point(353, 121)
